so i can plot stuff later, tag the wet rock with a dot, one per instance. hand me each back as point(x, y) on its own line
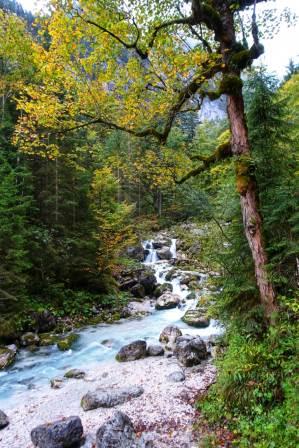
point(171, 274)
point(170, 334)
point(48, 339)
point(66, 342)
point(117, 432)
point(131, 352)
point(190, 350)
point(7, 356)
point(138, 308)
point(89, 441)
point(167, 301)
point(164, 253)
point(195, 318)
point(138, 291)
point(176, 376)
point(109, 397)
point(75, 373)
point(190, 277)
point(155, 350)
point(148, 280)
point(28, 339)
point(135, 252)
point(56, 383)
point(45, 321)
point(3, 420)
point(191, 296)
point(63, 433)
point(160, 289)
point(108, 342)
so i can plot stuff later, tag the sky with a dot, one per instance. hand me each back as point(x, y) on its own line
point(278, 50)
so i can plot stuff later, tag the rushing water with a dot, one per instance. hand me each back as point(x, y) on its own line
point(34, 370)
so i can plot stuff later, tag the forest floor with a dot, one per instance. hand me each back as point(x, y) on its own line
point(164, 413)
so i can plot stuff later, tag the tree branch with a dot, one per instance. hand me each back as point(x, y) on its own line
point(223, 152)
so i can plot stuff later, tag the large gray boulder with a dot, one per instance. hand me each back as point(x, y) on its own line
point(109, 398)
point(3, 420)
point(155, 350)
point(131, 352)
point(196, 318)
point(170, 334)
point(164, 253)
point(148, 280)
point(7, 355)
point(117, 432)
point(138, 291)
point(65, 433)
point(190, 350)
point(167, 301)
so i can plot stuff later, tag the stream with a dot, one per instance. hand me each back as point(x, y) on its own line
point(33, 371)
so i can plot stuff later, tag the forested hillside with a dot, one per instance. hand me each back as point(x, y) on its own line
point(113, 129)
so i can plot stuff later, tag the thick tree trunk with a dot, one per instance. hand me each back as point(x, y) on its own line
point(246, 186)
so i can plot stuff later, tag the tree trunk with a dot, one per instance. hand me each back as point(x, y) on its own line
point(246, 186)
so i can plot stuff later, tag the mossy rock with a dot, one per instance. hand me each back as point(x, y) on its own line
point(160, 289)
point(48, 339)
point(191, 296)
point(7, 357)
point(66, 342)
point(195, 318)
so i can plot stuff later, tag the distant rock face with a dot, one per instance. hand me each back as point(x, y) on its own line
point(190, 350)
point(117, 432)
point(131, 352)
point(3, 420)
point(7, 356)
point(63, 433)
point(167, 301)
point(170, 334)
point(109, 397)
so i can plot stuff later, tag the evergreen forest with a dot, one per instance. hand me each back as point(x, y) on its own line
point(132, 133)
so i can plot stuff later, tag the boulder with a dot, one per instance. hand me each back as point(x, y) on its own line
point(195, 318)
point(176, 377)
point(190, 350)
point(135, 252)
point(48, 339)
point(170, 334)
point(131, 352)
point(3, 420)
point(137, 308)
point(28, 339)
point(167, 301)
point(164, 253)
point(65, 342)
point(138, 291)
point(171, 274)
point(155, 350)
point(160, 289)
point(45, 321)
point(117, 432)
point(109, 397)
point(148, 280)
point(191, 296)
point(190, 278)
point(63, 433)
point(7, 356)
point(75, 373)
point(56, 383)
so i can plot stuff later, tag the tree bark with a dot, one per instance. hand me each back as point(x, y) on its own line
point(246, 187)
